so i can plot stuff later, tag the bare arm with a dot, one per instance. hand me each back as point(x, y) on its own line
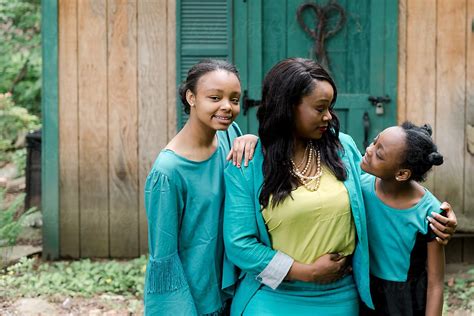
point(434, 301)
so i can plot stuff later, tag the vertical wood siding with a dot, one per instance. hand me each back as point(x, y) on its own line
point(117, 97)
point(117, 110)
point(436, 86)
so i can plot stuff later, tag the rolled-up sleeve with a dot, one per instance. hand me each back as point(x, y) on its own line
point(166, 287)
point(241, 236)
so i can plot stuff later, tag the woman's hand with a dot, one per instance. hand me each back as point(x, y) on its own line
point(443, 226)
point(326, 269)
point(243, 145)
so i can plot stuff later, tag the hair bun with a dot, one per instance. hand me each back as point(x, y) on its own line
point(427, 128)
point(435, 158)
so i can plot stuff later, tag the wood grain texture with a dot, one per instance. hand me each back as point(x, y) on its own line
point(68, 131)
point(469, 124)
point(454, 250)
point(421, 66)
point(171, 67)
point(450, 100)
point(93, 140)
point(402, 61)
point(152, 93)
point(123, 128)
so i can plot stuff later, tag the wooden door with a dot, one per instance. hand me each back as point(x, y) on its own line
point(362, 56)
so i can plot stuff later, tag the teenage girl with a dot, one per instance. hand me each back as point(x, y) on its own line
point(184, 197)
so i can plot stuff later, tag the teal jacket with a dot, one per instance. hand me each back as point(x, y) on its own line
point(247, 243)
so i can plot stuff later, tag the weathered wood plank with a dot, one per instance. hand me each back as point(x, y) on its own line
point(93, 148)
point(171, 68)
point(450, 99)
point(469, 128)
point(454, 251)
point(122, 128)
point(152, 92)
point(68, 131)
point(421, 63)
point(402, 61)
point(468, 251)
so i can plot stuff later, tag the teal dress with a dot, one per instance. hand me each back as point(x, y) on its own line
point(184, 204)
point(260, 270)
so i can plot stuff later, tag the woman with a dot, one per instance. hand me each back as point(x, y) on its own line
point(294, 219)
point(184, 195)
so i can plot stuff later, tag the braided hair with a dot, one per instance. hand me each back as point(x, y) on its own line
point(421, 153)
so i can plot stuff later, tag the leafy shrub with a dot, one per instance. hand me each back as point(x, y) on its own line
point(82, 278)
point(15, 122)
point(20, 52)
point(11, 220)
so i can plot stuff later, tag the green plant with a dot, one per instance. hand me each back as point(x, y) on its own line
point(10, 221)
point(15, 122)
point(33, 277)
point(20, 52)
point(459, 292)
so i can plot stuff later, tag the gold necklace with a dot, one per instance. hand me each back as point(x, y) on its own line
point(310, 182)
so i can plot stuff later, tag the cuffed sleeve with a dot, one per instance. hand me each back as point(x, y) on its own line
point(166, 287)
point(276, 270)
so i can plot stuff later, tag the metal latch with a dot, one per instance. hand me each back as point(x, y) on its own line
point(378, 102)
point(248, 103)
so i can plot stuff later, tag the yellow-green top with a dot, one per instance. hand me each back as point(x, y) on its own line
point(312, 224)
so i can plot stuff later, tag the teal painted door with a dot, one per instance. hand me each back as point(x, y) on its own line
point(362, 56)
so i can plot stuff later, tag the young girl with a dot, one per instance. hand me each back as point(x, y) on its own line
point(406, 264)
point(184, 195)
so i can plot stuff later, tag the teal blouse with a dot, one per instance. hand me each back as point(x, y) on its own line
point(248, 245)
point(405, 225)
point(184, 205)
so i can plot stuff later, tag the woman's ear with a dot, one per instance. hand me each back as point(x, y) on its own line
point(190, 97)
point(403, 175)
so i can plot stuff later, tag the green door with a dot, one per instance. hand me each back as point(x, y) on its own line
point(362, 56)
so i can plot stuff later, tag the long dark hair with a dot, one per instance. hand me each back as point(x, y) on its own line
point(197, 71)
point(283, 89)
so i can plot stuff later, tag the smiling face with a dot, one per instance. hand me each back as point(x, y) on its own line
point(384, 156)
point(312, 115)
point(216, 101)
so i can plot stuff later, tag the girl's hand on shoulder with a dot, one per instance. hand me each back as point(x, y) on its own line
point(444, 227)
point(243, 147)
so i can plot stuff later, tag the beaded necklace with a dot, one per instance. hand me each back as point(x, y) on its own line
point(310, 182)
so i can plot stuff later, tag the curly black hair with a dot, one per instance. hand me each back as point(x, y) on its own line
point(421, 153)
point(199, 70)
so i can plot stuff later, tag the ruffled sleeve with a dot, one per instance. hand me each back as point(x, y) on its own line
point(166, 288)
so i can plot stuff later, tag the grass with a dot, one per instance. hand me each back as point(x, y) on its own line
point(459, 292)
point(31, 277)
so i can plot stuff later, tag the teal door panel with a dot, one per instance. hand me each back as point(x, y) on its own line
point(362, 56)
point(203, 30)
